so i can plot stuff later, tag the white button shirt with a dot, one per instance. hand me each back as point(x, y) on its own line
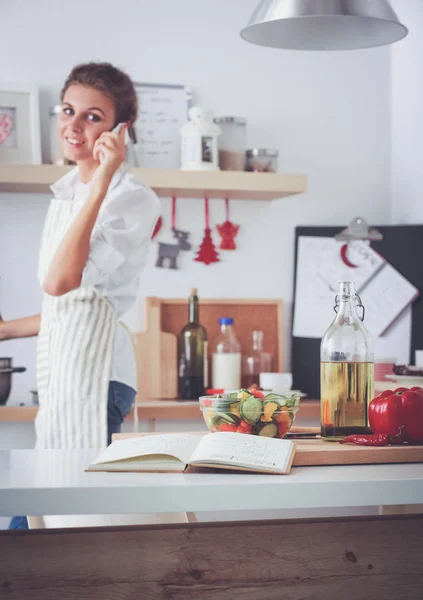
point(118, 251)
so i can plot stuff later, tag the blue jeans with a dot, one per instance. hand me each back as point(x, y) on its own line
point(119, 404)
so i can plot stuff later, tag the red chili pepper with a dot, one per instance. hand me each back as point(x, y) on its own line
point(376, 439)
point(399, 408)
point(258, 394)
point(244, 427)
point(227, 427)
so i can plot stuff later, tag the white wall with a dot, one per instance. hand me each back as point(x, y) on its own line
point(327, 114)
point(407, 116)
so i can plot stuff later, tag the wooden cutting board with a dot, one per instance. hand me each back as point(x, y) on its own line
point(312, 453)
point(156, 354)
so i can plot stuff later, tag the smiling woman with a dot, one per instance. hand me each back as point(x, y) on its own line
point(93, 250)
point(92, 254)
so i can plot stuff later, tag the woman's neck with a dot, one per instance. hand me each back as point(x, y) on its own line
point(87, 169)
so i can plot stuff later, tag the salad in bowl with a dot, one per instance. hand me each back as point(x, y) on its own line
point(250, 411)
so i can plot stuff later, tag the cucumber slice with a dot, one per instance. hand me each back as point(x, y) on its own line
point(243, 394)
point(221, 403)
point(227, 418)
point(267, 429)
point(273, 396)
point(251, 409)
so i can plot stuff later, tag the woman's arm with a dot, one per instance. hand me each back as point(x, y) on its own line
point(19, 328)
point(65, 271)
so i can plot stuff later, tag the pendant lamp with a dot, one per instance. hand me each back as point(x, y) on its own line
point(323, 24)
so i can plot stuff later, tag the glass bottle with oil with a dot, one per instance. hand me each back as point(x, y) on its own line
point(346, 369)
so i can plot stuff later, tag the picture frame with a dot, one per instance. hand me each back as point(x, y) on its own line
point(162, 111)
point(20, 140)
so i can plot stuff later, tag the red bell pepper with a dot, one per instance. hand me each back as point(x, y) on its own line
point(392, 410)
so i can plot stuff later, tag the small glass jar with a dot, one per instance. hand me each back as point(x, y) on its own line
point(255, 361)
point(232, 143)
point(262, 160)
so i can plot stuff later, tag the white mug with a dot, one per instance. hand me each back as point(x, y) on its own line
point(276, 382)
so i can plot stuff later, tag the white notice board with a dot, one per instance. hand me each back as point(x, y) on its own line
point(319, 269)
point(162, 110)
point(385, 293)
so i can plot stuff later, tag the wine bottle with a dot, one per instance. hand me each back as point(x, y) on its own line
point(193, 357)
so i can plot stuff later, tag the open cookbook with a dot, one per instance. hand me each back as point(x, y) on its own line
point(170, 452)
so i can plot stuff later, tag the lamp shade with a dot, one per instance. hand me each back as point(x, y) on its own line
point(323, 24)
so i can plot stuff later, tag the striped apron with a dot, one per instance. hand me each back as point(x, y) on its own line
point(74, 352)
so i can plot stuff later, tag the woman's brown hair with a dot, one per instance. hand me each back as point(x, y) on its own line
point(112, 82)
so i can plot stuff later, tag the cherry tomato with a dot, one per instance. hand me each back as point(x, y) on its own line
point(227, 427)
point(244, 427)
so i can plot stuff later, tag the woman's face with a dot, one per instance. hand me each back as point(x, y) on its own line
point(86, 113)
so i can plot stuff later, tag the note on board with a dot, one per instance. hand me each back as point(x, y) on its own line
point(319, 269)
point(162, 110)
point(385, 297)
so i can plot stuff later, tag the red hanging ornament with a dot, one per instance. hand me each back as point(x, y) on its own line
point(207, 252)
point(227, 231)
point(157, 227)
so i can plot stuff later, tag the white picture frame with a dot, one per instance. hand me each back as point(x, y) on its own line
point(162, 111)
point(20, 140)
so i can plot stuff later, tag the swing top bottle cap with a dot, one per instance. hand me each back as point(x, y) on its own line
point(194, 292)
point(226, 321)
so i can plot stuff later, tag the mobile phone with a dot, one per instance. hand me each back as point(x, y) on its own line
point(116, 130)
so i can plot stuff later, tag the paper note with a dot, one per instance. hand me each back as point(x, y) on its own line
point(163, 109)
point(320, 268)
point(395, 343)
point(385, 297)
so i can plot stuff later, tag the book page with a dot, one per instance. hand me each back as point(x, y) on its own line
point(244, 451)
point(177, 445)
point(319, 269)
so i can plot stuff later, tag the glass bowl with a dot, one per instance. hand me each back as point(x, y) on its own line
point(242, 412)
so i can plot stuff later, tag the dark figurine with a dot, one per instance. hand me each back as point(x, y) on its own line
point(168, 253)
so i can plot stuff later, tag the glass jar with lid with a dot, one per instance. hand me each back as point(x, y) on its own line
point(346, 368)
point(262, 160)
point(232, 143)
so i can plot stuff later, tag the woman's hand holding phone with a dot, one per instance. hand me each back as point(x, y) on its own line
point(110, 149)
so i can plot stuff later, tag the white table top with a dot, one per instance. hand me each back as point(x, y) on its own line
point(54, 482)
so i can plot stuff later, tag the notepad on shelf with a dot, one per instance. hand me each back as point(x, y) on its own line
point(176, 452)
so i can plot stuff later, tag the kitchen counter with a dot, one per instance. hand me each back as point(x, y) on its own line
point(260, 560)
point(54, 482)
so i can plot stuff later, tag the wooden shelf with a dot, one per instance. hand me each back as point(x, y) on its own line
point(236, 185)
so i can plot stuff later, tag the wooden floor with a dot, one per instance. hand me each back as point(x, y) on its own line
point(373, 558)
